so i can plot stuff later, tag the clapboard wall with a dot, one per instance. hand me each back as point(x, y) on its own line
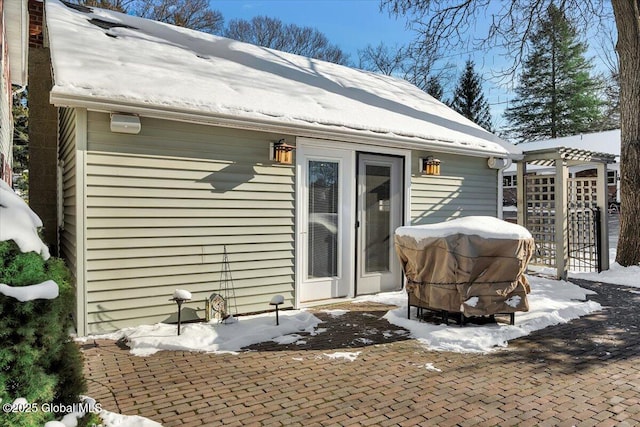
point(162, 205)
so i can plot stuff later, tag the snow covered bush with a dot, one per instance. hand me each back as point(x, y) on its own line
point(39, 362)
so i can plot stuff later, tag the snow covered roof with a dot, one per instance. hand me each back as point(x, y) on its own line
point(109, 61)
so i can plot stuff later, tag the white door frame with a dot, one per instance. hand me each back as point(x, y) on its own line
point(306, 145)
point(324, 288)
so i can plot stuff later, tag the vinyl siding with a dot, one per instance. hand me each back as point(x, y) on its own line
point(465, 187)
point(69, 233)
point(161, 206)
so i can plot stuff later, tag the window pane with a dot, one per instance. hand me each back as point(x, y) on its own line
point(323, 219)
point(378, 218)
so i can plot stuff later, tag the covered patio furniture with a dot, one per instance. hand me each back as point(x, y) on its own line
point(472, 266)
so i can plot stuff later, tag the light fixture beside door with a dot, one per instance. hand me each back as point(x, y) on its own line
point(281, 152)
point(430, 166)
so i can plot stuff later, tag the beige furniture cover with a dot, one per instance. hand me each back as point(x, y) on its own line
point(465, 272)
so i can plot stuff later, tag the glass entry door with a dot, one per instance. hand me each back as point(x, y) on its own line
point(327, 223)
point(379, 213)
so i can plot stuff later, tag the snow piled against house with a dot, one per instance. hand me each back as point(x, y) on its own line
point(551, 302)
point(215, 337)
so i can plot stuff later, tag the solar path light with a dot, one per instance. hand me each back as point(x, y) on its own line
point(180, 296)
point(276, 301)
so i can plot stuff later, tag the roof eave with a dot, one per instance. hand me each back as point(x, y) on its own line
point(274, 126)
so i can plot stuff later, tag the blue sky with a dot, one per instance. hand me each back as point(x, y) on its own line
point(353, 24)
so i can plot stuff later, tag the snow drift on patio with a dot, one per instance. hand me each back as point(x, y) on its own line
point(214, 337)
point(551, 302)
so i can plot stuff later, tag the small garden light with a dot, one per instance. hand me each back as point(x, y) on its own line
point(276, 301)
point(180, 296)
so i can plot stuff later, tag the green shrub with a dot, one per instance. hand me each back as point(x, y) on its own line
point(38, 359)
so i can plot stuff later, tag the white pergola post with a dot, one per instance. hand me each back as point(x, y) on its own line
point(561, 220)
point(521, 193)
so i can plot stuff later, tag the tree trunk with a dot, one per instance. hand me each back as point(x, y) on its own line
point(627, 14)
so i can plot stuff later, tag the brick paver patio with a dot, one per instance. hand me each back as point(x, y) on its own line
point(585, 373)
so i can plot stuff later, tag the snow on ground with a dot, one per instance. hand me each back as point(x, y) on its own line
point(217, 337)
point(348, 355)
point(109, 419)
point(551, 302)
point(617, 274)
point(430, 367)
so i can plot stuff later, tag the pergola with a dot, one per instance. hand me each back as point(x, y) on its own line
point(545, 202)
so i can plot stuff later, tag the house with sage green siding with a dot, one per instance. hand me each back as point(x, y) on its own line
point(174, 145)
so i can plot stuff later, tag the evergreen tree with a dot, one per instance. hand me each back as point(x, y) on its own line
point(39, 361)
point(556, 95)
point(469, 100)
point(434, 88)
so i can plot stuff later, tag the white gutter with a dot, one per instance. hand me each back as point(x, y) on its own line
point(266, 125)
point(501, 188)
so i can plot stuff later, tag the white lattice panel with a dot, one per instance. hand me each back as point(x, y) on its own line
point(540, 196)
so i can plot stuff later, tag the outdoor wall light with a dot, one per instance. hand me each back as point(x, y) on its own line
point(125, 123)
point(281, 152)
point(430, 166)
point(498, 163)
